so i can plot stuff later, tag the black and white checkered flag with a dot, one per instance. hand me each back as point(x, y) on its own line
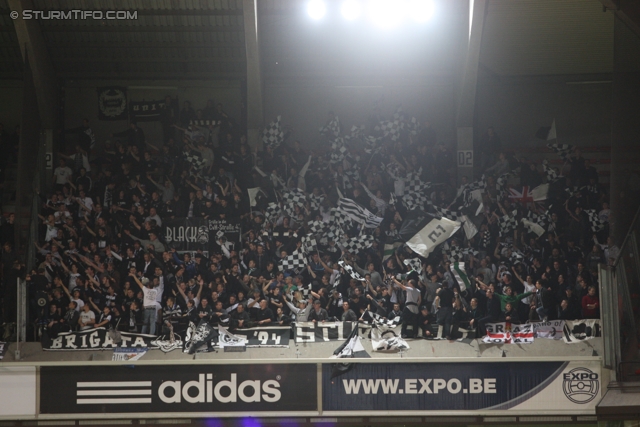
point(508, 223)
point(272, 212)
point(317, 227)
point(481, 184)
point(594, 220)
point(338, 151)
point(456, 253)
point(392, 199)
point(447, 213)
point(357, 132)
point(357, 244)
point(383, 321)
point(195, 160)
point(398, 114)
point(294, 196)
point(372, 144)
point(273, 135)
point(551, 173)
point(563, 150)
point(339, 218)
point(413, 183)
point(331, 129)
point(414, 264)
point(315, 201)
point(390, 129)
point(414, 200)
point(309, 244)
point(295, 262)
point(353, 273)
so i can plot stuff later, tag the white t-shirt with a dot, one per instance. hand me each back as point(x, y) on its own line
point(150, 296)
point(86, 316)
point(79, 304)
point(88, 203)
point(528, 288)
point(62, 174)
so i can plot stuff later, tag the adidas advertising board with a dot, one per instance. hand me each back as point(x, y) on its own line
point(559, 387)
point(185, 388)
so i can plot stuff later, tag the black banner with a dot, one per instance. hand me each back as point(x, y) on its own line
point(192, 234)
point(178, 388)
point(187, 234)
point(270, 336)
point(440, 386)
point(112, 103)
point(145, 111)
point(326, 331)
point(97, 339)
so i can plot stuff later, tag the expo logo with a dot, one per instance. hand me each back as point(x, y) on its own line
point(581, 385)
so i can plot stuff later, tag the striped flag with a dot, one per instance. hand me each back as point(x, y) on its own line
point(457, 268)
point(358, 213)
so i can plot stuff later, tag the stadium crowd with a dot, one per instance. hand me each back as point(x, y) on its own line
point(103, 260)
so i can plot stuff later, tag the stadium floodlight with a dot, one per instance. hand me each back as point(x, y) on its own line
point(350, 9)
point(421, 10)
point(385, 13)
point(316, 9)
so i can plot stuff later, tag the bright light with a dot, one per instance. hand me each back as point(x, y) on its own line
point(422, 10)
point(350, 9)
point(316, 9)
point(385, 13)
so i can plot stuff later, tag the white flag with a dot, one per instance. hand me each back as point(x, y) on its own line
point(533, 227)
point(253, 192)
point(227, 339)
point(540, 192)
point(433, 234)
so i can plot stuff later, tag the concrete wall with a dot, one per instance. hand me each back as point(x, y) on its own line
point(517, 107)
point(304, 103)
point(82, 101)
point(11, 104)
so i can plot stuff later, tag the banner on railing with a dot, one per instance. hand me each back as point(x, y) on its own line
point(507, 333)
point(97, 339)
point(327, 331)
point(581, 330)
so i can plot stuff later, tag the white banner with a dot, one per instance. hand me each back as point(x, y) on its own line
point(550, 330)
point(581, 330)
point(506, 333)
point(433, 234)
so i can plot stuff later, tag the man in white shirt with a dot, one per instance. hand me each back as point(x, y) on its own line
point(87, 318)
point(150, 305)
point(62, 175)
point(85, 204)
